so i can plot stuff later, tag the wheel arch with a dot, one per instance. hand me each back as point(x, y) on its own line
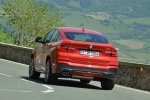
point(48, 57)
point(32, 56)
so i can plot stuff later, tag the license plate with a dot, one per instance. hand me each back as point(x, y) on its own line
point(90, 53)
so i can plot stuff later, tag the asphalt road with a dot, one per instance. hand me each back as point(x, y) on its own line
point(15, 85)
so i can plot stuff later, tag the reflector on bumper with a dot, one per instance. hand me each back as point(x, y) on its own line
point(87, 74)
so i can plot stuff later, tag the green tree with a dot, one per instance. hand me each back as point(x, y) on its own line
point(5, 37)
point(29, 19)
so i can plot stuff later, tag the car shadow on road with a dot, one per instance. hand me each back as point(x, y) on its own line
point(65, 82)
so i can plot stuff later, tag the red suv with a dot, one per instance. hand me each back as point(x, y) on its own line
point(75, 53)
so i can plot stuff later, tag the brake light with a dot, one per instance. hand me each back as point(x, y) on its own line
point(71, 49)
point(62, 48)
point(112, 53)
point(65, 48)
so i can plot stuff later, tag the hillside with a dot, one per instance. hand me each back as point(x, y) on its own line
point(126, 19)
point(132, 8)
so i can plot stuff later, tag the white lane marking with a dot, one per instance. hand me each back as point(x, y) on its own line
point(142, 91)
point(27, 81)
point(50, 89)
point(15, 90)
point(5, 75)
point(13, 62)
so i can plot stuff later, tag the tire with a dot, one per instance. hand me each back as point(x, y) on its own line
point(107, 84)
point(85, 81)
point(49, 77)
point(32, 73)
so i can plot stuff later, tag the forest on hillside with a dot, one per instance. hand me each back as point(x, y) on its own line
point(132, 8)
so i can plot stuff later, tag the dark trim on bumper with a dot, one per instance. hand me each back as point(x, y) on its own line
point(108, 74)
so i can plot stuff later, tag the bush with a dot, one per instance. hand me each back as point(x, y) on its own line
point(29, 19)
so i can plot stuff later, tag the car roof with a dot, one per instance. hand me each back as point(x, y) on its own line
point(81, 30)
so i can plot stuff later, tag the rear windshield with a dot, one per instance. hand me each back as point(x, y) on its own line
point(86, 37)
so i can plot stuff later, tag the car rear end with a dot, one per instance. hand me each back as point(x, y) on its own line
point(86, 54)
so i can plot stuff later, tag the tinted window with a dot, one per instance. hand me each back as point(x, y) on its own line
point(86, 37)
point(48, 37)
point(55, 36)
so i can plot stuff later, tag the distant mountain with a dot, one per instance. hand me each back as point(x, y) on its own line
point(132, 8)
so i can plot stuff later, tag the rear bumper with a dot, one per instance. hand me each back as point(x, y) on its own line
point(80, 71)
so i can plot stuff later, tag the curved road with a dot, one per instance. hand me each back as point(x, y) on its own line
point(15, 85)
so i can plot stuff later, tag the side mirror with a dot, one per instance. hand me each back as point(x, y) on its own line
point(39, 40)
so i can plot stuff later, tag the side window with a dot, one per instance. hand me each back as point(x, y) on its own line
point(55, 36)
point(48, 37)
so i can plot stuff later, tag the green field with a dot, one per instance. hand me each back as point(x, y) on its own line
point(74, 4)
point(77, 19)
point(131, 44)
point(132, 51)
point(145, 21)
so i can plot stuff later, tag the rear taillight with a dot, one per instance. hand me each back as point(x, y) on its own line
point(71, 49)
point(112, 53)
point(62, 48)
point(66, 48)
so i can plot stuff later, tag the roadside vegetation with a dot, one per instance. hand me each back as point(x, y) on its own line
point(5, 37)
point(28, 19)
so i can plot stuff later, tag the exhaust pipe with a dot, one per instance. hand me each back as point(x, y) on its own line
point(65, 73)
